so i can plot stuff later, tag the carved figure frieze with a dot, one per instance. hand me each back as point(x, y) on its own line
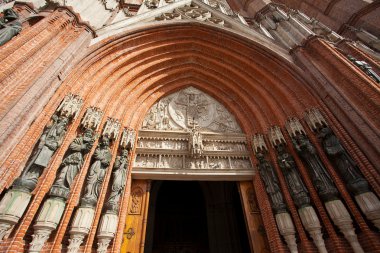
point(72, 163)
point(119, 179)
point(187, 108)
point(10, 26)
point(162, 144)
point(221, 146)
point(100, 161)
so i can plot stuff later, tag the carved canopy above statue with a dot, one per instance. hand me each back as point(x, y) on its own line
point(189, 135)
point(190, 108)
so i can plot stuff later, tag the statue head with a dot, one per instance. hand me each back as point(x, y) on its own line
point(105, 141)
point(260, 156)
point(63, 121)
point(325, 132)
point(88, 134)
point(280, 149)
point(124, 152)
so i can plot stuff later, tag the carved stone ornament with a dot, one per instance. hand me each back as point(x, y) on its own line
point(369, 203)
point(259, 144)
point(107, 231)
point(342, 219)
point(47, 221)
point(195, 142)
point(275, 136)
point(311, 223)
point(128, 139)
point(187, 108)
point(92, 118)
point(111, 128)
point(151, 4)
point(80, 227)
point(72, 163)
point(70, 106)
point(286, 227)
point(294, 127)
point(315, 119)
point(12, 207)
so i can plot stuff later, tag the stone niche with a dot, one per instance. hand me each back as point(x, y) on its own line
point(189, 135)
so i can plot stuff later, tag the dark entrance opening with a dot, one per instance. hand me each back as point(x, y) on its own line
point(195, 217)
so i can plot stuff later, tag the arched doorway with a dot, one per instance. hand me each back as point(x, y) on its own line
point(195, 217)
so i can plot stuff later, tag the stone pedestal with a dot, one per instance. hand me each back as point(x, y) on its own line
point(312, 225)
point(47, 221)
point(12, 207)
point(342, 219)
point(107, 231)
point(80, 227)
point(370, 206)
point(287, 230)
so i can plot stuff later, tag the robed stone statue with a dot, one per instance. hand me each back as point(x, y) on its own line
point(297, 188)
point(343, 162)
point(50, 140)
point(72, 163)
point(271, 184)
point(10, 26)
point(119, 177)
point(321, 179)
point(100, 161)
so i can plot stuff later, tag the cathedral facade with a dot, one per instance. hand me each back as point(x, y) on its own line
point(190, 126)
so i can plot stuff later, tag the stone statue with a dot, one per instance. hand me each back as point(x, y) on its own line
point(321, 179)
point(10, 26)
point(50, 140)
point(72, 163)
point(297, 188)
point(366, 68)
point(271, 184)
point(195, 142)
point(101, 160)
point(343, 163)
point(119, 175)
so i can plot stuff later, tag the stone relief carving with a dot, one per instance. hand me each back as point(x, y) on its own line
point(136, 201)
point(195, 142)
point(163, 144)
point(70, 106)
point(92, 118)
point(187, 108)
point(111, 128)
